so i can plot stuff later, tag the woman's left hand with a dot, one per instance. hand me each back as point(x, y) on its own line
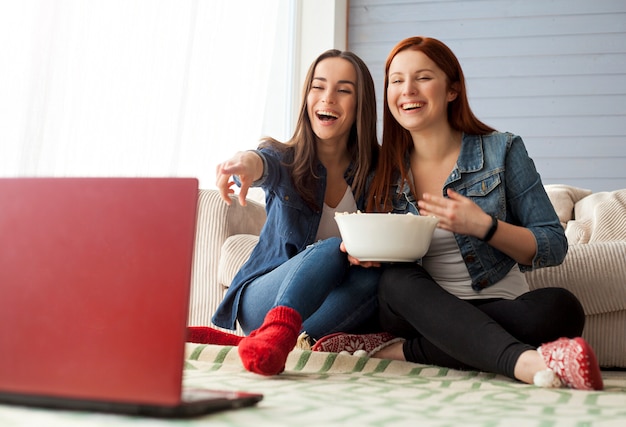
point(456, 213)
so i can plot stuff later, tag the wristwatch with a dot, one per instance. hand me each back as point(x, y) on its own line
point(492, 230)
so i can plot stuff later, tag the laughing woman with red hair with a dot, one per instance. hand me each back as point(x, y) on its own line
point(467, 304)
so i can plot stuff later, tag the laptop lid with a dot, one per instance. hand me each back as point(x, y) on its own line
point(94, 288)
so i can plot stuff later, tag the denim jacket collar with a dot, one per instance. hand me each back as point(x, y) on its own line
point(471, 157)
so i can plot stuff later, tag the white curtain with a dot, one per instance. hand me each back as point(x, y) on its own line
point(140, 87)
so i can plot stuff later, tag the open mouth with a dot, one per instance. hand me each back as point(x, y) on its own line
point(326, 116)
point(412, 106)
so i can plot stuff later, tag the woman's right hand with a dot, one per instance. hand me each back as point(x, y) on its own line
point(247, 165)
point(355, 261)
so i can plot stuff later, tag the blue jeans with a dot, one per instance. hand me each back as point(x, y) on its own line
point(330, 295)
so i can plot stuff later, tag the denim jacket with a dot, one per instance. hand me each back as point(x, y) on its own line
point(496, 172)
point(290, 227)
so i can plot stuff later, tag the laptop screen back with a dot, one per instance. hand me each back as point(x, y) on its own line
point(94, 286)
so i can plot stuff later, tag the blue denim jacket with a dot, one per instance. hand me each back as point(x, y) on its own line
point(496, 172)
point(290, 227)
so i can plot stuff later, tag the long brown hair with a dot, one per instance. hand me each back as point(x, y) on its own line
point(362, 143)
point(397, 141)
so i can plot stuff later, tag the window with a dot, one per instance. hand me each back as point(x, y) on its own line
point(141, 87)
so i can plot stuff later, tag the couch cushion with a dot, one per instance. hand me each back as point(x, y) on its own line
point(599, 217)
point(235, 251)
point(563, 198)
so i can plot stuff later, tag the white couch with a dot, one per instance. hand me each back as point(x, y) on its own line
point(594, 269)
point(595, 266)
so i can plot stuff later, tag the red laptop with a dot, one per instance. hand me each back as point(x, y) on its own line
point(95, 280)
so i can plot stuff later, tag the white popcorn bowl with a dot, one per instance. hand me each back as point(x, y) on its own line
point(386, 237)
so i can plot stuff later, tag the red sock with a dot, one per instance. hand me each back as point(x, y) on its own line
point(208, 335)
point(266, 349)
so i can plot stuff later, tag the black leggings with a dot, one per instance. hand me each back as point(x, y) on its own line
point(486, 334)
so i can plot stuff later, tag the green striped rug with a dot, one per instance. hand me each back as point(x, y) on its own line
point(325, 389)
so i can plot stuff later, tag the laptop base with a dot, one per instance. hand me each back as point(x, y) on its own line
point(202, 402)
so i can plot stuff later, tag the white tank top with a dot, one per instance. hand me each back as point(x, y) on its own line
point(328, 225)
point(445, 264)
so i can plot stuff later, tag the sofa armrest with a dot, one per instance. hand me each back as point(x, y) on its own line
point(216, 221)
point(235, 252)
point(584, 267)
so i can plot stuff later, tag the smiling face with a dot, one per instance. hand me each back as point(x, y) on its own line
point(331, 101)
point(418, 92)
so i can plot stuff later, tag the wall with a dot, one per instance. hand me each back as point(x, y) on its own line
point(319, 25)
point(551, 71)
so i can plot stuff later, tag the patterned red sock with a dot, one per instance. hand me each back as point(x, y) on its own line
point(208, 335)
point(574, 363)
point(369, 344)
point(266, 349)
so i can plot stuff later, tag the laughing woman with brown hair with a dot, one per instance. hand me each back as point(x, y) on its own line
point(297, 279)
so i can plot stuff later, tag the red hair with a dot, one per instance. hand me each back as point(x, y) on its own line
point(397, 141)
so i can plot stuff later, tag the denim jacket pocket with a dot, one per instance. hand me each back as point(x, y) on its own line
point(488, 193)
point(290, 218)
point(483, 187)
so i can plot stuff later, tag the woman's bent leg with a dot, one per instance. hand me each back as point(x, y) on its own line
point(302, 283)
point(440, 328)
point(539, 316)
point(296, 289)
point(348, 306)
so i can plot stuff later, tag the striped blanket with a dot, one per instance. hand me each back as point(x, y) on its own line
point(326, 389)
